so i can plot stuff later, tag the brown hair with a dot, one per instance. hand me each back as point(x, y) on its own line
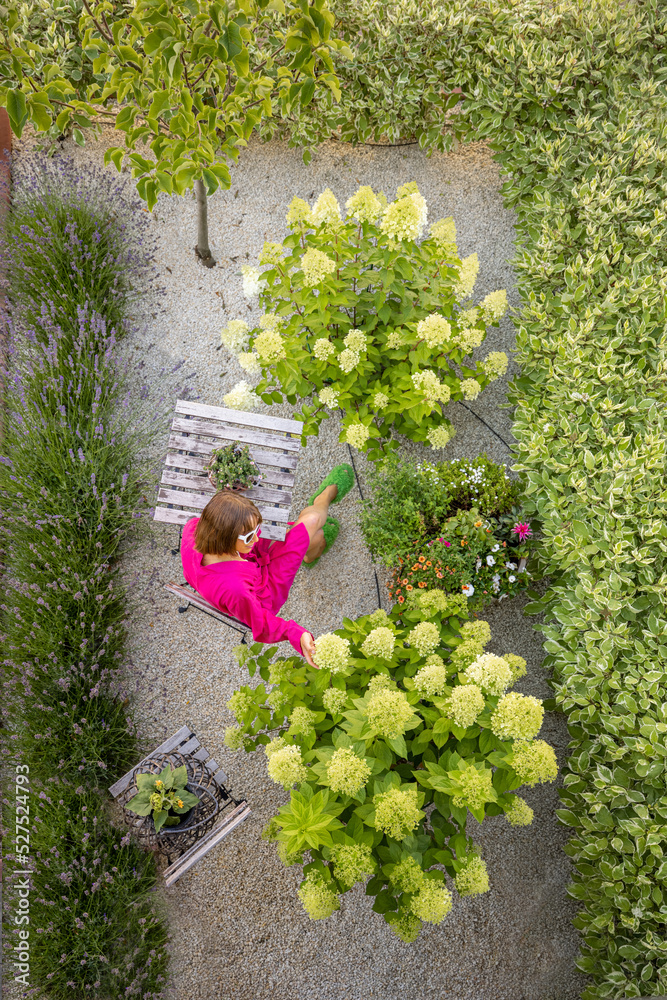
point(226, 516)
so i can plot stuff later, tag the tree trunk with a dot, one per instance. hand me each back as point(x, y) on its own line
point(202, 249)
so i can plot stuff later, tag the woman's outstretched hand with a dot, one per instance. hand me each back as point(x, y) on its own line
point(308, 649)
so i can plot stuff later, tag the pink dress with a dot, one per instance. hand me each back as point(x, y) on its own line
point(253, 588)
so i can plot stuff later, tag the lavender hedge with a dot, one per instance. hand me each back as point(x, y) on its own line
point(72, 490)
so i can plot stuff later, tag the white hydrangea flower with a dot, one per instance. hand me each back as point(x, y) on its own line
point(491, 673)
point(470, 388)
point(332, 652)
point(329, 397)
point(326, 209)
point(379, 642)
point(249, 361)
point(299, 214)
point(495, 364)
point(357, 435)
point(235, 335)
point(270, 345)
point(467, 276)
point(425, 637)
point(394, 340)
point(252, 282)
point(405, 218)
point(356, 340)
point(241, 397)
point(364, 205)
point(494, 305)
point(440, 436)
point(434, 330)
point(348, 360)
point(444, 233)
point(323, 349)
point(433, 390)
point(470, 339)
point(316, 266)
point(380, 400)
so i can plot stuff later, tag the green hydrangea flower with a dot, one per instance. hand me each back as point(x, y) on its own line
point(332, 652)
point(491, 673)
point(302, 721)
point(517, 665)
point(381, 682)
point(431, 680)
point(472, 880)
point(464, 705)
point(352, 863)
point(286, 767)
point(234, 737)
point(478, 630)
point(346, 772)
point(241, 703)
point(388, 712)
point(289, 858)
point(407, 876)
point(396, 812)
point(379, 642)
point(465, 654)
point(432, 903)
point(334, 700)
point(425, 637)
point(318, 899)
point(475, 787)
point(405, 925)
point(364, 205)
point(534, 761)
point(519, 813)
point(379, 617)
point(517, 717)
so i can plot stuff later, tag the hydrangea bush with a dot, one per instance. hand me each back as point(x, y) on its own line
point(364, 314)
point(406, 728)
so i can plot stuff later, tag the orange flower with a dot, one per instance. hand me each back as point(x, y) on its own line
point(504, 544)
point(409, 587)
point(439, 575)
point(463, 541)
point(401, 600)
point(478, 524)
point(416, 566)
point(428, 562)
point(404, 581)
point(422, 559)
point(422, 583)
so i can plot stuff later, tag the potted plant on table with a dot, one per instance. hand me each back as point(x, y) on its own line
point(165, 796)
point(232, 468)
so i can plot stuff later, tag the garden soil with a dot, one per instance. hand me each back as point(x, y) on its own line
point(237, 927)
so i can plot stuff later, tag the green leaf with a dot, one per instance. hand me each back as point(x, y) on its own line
point(159, 819)
point(17, 111)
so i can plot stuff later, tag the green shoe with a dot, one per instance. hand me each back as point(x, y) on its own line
point(341, 476)
point(330, 531)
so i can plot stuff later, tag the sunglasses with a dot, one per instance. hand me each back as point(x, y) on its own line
point(250, 535)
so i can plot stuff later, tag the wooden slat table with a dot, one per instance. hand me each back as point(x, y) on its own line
point(274, 444)
point(185, 741)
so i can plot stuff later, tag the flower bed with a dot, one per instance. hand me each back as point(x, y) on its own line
point(458, 526)
point(72, 489)
point(407, 726)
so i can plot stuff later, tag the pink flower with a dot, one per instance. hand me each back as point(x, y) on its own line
point(523, 530)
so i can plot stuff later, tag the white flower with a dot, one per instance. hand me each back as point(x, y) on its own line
point(470, 388)
point(510, 565)
point(364, 205)
point(467, 276)
point(468, 589)
point(380, 400)
point(357, 435)
point(348, 359)
point(494, 305)
point(235, 335)
point(356, 340)
point(405, 218)
point(495, 583)
point(434, 330)
point(326, 209)
point(329, 397)
point(394, 339)
point(316, 266)
point(241, 397)
point(323, 349)
point(496, 547)
point(252, 283)
point(439, 436)
point(433, 390)
point(249, 361)
point(511, 578)
point(490, 561)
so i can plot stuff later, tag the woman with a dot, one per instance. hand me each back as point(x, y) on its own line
point(227, 562)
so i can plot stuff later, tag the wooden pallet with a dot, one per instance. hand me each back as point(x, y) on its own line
point(190, 596)
point(274, 444)
point(186, 742)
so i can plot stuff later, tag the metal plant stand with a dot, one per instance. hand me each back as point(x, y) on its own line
point(210, 821)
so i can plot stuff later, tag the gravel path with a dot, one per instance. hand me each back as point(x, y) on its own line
point(238, 928)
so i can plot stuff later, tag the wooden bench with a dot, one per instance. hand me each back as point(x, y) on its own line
point(185, 742)
point(274, 444)
point(191, 597)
